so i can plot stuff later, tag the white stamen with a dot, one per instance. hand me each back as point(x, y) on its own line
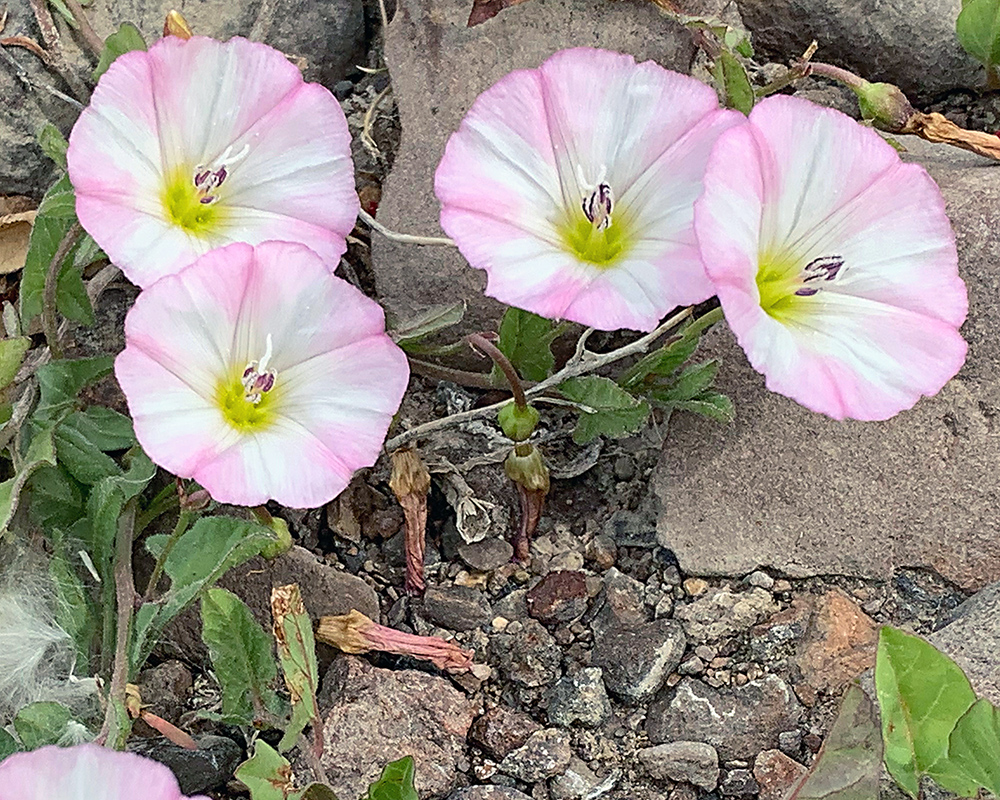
point(262, 366)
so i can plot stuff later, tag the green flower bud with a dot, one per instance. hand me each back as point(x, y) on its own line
point(517, 423)
point(282, 544)
point(526, 468)
point(884, 105)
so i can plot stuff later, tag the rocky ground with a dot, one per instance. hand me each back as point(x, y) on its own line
point(698, 597)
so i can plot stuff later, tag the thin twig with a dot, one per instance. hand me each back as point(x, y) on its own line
point(474, 380)
point(404, 238)
point(51, 284)
point(22, 75)
point(587, 362)
point(50, 35)
point(366, 124)
point(385, 18)
point(94, 42)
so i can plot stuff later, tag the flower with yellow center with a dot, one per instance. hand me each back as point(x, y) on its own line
point(198, 143)
point(259, 374)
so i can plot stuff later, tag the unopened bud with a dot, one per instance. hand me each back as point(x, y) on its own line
point(526, 468)
point(176, 25)
point(884, 105)
point(517, 423)
point(283, 541)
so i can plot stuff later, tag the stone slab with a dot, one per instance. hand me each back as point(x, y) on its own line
point(785, 488)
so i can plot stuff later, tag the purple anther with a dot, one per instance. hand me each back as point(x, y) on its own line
point(597, 206)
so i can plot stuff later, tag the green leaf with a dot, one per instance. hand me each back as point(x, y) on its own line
point(694, 380)
point(87, 252)
point(242, 656)
point(39, 724)
point(396, 782)
point(65, 13)
point(735, 82)
point(669, 358)
point(125, 39)
point(53, 143)
point(40, 452)
point(55, 499)
point(60, 382)
point(713, 405)
point(974, 747)
point(268, 776)
point(8, 745)
point(850, 762)
point(12, 352)
point(81, 457)
point(55, 216)
point(922, 694)
point(978, 30)
point(201, 556)
point(74, 612)
point(410, 333)
point(613, 411)
point(526, 339)
point(293, 635)
point(105, 428)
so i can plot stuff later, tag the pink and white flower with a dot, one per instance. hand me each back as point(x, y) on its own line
point(572, 185)
point(834, 261)
point(260, 375)
point(199, 143)
point(86, 772)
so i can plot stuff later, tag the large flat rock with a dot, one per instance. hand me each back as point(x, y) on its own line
point(438, 68)
point(786, 488)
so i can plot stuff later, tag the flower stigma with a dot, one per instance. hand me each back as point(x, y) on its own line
point(248, 401)
point(595, 237)
point(781, 282)
point(190, 195)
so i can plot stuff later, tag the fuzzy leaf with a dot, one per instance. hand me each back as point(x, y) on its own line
point(81, 457)
point(669, 358)
point(125, 39)
point(978, 30)
point(713, 405)
point(8, 745)
point(850, 762)
point(268, 776)
point(74, 612)
point(974, 746)
point(12, 352)
point(59, 383)
point(41, 452)
point(293, 634)
point(410, 333)
point(42, 723)
point(55, 499)
point(735, 82)
point(692, 381)
point(105, 428)
point(526, 339)
point(922, 694)
point(241, 654)
point(395, 782)
point(614, 412)
point(53, 143)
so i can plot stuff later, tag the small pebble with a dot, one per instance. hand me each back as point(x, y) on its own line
point(343, 89)
point(781, 586)
point(761, 579)
point(500, 623)
point(695, 587)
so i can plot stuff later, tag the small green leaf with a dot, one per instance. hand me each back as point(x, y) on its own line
point(81, 457)
point(74, 612)
point(105, 428)
point(40, 452)
point(125, 39)
point(396, 782)
point(850, 762)
point(267, 774)
point(71, 293)
point(65, 13)
point(12, 353)
point(713, 405)
point(974, 747)
point(669, 358)
point(8, 745)
point(242, 656)
point(87, 252)
point(735, 82)
point(53, 143)
point(410, 333)
point(293, 635)
point(613, 411)
point(922, 694)
point(694, 380)
point(41, 723)
point(55, 216)
point(978, 30)
point(60, 382)
point(55, 499)
point(526, 339)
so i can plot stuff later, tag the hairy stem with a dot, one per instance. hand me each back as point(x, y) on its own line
point(183, 520)
point(582, 363)
point(49, 325)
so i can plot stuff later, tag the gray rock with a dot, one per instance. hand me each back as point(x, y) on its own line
point(723, 613)
point(637, 661)
point(760, 579)
point(488, 792)
point(576, 782)
point(560, 596)
point(845, 504)
point(602, 552)
point(456, 608)
point(501, 730)
point(972, 638)
point(910, 44)
point(693, 762)
point(738, 724)
point(208, 767)
point(620, 604)
point(739, 783)
point(486, 554)
point(165, 689)
point(579, 699)
point(790, 742)
point(545, 754)
point(438, 67)
point(372, 715)
point(529, 657)
point(513, 606)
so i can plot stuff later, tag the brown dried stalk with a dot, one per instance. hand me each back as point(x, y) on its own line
point(411, 482)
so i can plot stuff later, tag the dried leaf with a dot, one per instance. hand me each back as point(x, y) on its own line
point(15, 231)
point(293, 634)
point(483, 10)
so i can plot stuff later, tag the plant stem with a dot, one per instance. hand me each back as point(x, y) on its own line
point(582, 362)
point(49, 325)
point(479, 342)
point(404, 238)
point(475, 380)
point(94, 42)
point(183, 520)
point(50, 35)
point(161, 504)
point(835, 73)
point(125, 601)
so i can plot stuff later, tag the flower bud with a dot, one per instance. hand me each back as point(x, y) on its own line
point(884, 105)
point(283, 542)
point(526, 468)
point(517, 423)
point(176, 25)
